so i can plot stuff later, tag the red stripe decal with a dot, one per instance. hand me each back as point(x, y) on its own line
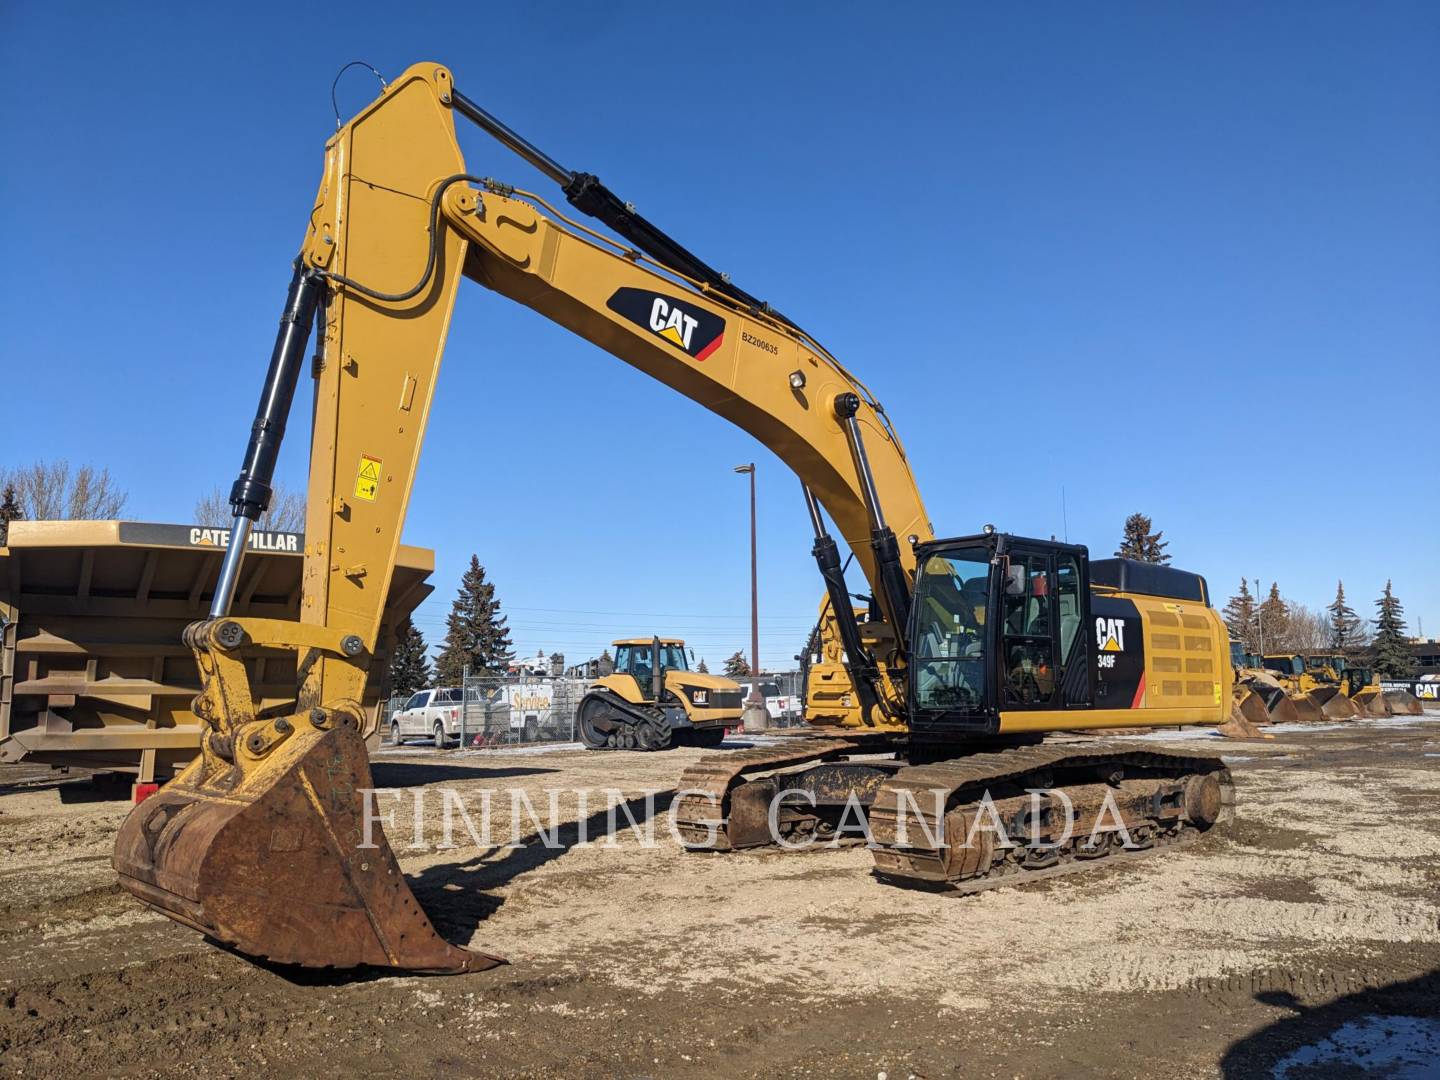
point(1139, 692)
point(703, 353)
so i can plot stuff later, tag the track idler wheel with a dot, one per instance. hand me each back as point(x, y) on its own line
point(598, 724)
point(270, 856)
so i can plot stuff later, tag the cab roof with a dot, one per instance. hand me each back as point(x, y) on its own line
point(648, 640)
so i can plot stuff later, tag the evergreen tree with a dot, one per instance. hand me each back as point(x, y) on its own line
point(1393, 658)
point(9, 511)
point(1239, 616)
point(1274, 629)
point(1344, 623)
point(737, 666)
point(702, 669)
point(409, 664)
point(475, 632)
point(1140, 543)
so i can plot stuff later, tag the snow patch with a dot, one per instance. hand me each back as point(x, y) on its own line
point(1398, 1047)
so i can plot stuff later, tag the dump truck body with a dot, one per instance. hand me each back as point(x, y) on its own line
point(94, 671)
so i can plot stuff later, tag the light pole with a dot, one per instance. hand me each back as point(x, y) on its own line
point(754, 590)
point(754, 721)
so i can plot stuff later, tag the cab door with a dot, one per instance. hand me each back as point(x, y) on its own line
point(412, 716)
point(1029, 648)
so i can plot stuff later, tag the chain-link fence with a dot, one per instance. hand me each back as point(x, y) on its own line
point(508, 709)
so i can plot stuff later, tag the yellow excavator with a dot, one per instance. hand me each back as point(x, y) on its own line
point(978, 644)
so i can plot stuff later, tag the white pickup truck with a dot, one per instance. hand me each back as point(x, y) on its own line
point(430, 714)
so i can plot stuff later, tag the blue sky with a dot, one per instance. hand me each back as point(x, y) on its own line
point(1082, 247)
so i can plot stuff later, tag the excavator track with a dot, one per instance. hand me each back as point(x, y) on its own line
point(932, 829)
point(718, 810)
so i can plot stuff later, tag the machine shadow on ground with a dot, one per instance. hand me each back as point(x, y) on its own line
point(1258, 1054)
point(454, 894)
point(402, 774)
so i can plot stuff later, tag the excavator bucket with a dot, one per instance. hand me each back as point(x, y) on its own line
point(1307, 709)
point(1261, 693)
point(1333, 704)
point(1249, 708)
point(276, 859)
point(1240, 726)
point(1403, 703)
point(1371, 701)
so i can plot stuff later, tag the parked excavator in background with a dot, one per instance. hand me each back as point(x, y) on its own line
point(977, 644)
point(652, 701)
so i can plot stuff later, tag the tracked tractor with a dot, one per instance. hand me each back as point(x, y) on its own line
point(653, 701)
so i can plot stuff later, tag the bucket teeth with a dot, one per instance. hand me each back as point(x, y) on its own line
point(279, 864)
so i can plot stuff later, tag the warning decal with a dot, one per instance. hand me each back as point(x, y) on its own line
point(367, 480)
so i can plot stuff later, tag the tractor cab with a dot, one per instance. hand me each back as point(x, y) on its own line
point(641, 658)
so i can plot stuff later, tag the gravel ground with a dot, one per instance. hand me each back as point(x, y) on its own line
point(1302, 940)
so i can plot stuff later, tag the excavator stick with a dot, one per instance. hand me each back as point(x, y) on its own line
point(263, 842)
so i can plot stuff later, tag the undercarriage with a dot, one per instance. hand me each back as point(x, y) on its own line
point(995, 814)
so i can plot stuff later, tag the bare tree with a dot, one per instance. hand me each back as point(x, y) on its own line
point(286, 513)
point(53, 491)
point(1306, 630)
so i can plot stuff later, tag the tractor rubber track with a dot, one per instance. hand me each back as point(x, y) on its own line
point(637, 719)
point(1164, 798)
point(703, 809)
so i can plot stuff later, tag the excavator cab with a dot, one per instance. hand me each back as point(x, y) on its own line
point(997, 623)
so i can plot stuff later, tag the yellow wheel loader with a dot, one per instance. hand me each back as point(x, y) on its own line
point(653, 701)
point(1362, 687)
point(1260, 699)
point(980, 643)
point(1315, 697)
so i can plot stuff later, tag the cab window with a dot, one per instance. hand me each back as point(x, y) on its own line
point(1029, 660)
point(1067, 596)
point(417, 701)
point(951, 597)
point(1027, 596)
